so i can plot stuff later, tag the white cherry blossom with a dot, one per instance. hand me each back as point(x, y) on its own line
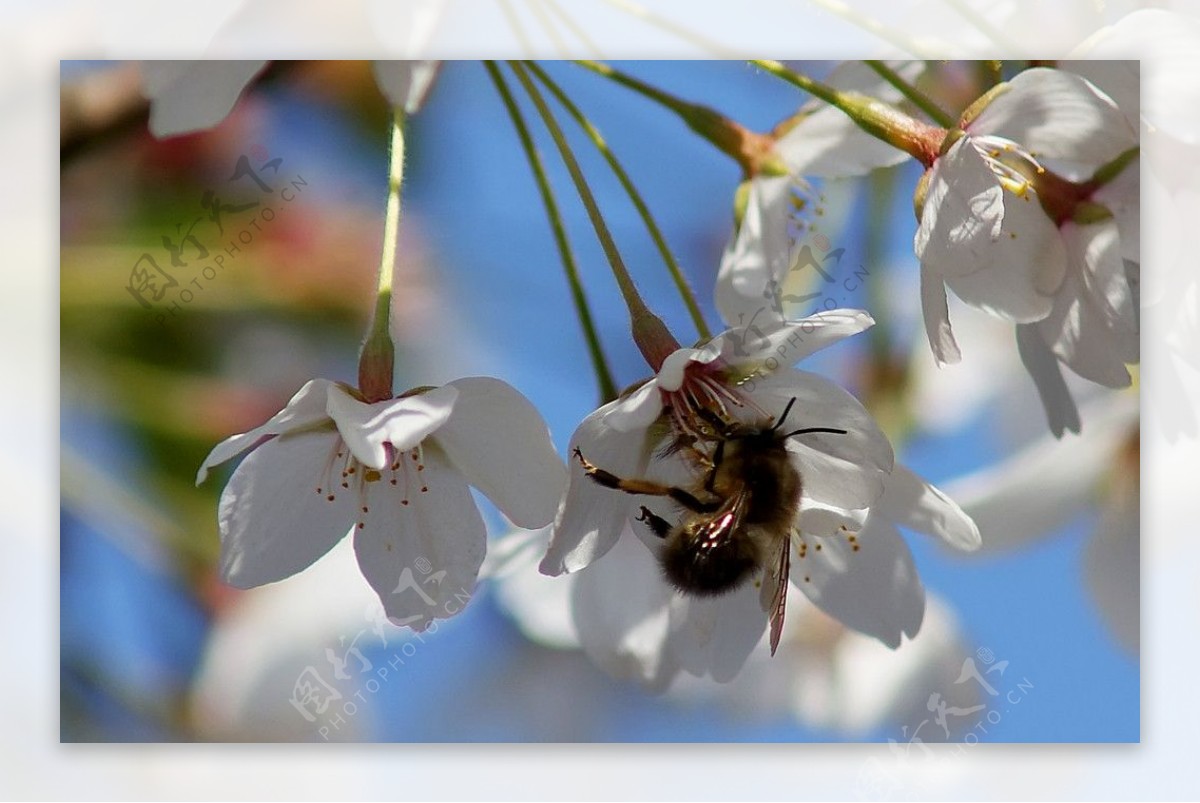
point(847, 556)
point(395, 474)
point(621, 435)
point(1055, 254)
point(824, 143)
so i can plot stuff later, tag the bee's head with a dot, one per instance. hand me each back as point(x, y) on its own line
point(696, 561)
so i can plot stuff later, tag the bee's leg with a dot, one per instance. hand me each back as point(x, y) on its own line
point(660, 526)
point(718, 456)
point(644, 487)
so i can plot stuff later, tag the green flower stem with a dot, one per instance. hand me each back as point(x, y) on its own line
point(991, 73)
point(889, 382)
point(879, 119)
point(378, 352)
point(685, 292)
point(752, 151)
point(608, 388)
point(918, 98)
point(880, 186)
point(681, 107)
point(649, 332)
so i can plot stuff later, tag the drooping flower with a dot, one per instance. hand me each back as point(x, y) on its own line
point(393, 472)
point(846, 554)
point(756, 260)
point(777, 207)
point(1053, 252)
point(621, 435)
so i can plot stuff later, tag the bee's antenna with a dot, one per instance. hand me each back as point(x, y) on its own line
point(783, 417)
point(830, 430)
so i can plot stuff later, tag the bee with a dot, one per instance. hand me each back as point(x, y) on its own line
point(737, 519)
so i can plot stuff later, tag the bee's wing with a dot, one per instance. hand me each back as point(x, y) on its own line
point(775, 588)
point(728, 518)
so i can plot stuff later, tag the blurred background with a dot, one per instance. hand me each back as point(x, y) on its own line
point(1033, 640)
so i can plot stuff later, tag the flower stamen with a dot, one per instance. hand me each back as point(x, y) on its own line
point(1010, 163)
point(327, 473)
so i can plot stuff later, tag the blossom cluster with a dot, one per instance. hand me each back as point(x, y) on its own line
point(685, 508)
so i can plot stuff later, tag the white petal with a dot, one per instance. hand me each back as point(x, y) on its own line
point(267, 636)
point(406, 83)
point(1057, 115)
point(963, 212)
point(540, 605)
point(820, 403)
point(1042, 487)
point(406, 28)
point(304, 410)
point(820, 519)
point(296, 30)
point(1104, 275)
point(640, 409)
point(1043, 366)
point(620, 606)
point(911, 502)
point(1017, 275)
point(1120, 80)
point(499, 441)
point(1122, 197)
point(422, 558)
point(937, 317)
point(874, 687)
point(790, 341)
point(758, 253)
point(403, 423)
point(1171, 96)
point(514, 552)
point(841, 469)
point(826, 142)
point(1080, 333)
point(874, 590)
point(713, 636)
point(1111, 569)
point(674, 368)
point(592, 516)
point(273, 520)
point(831, 481)
point(189, 96)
